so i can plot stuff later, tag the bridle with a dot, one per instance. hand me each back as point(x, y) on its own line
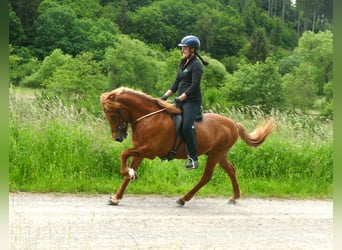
point(123, 125)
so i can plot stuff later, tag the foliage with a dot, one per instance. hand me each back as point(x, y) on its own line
point(317, 50)
point(309, 73)
point(300, 88)
point(101, 34)
point(48, 67)
point(21, 64)
point(17, 35)
point(127, 67)
point(225, 26)
point(288, 63)
point(61, 27)
point(258, 84)
point(214, 78)
point(57, 28)
point(259, 47)
point(148, 24)
point(263, 61)
point(49, 141)
point(168, 71)
point(79, 81)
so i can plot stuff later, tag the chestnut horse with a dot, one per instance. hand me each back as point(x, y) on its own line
point(154, 135)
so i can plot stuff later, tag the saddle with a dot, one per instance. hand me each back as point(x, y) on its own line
point(177, 122)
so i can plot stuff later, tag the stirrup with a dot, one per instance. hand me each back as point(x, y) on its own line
point(192, 164)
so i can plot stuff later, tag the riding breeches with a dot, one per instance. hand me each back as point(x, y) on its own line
point(190, 110)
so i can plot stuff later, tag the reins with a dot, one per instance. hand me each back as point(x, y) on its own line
point(150, 114)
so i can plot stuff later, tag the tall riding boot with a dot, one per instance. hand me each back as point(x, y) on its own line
point(192, 151)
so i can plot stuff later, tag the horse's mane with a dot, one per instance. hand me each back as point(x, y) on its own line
point(109, 98)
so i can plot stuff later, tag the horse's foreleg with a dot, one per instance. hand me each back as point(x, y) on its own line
point(124, 169)
point(206, 177)
point(230, 170)
point(115, 199)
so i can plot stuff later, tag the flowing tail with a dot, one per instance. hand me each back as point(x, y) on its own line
point(258, 136)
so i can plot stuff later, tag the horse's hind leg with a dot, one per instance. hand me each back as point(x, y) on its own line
point(206, 177)
point(115, 199)
point(230, 170)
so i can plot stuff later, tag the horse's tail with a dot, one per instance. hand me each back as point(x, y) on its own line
point(258, 136)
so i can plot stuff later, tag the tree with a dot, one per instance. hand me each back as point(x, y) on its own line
point(300, 88)
point(214, 78)
point(99, 35)
point(259, 47)
point(47, 68)
point(312, 13)
point(226, 38)
point(256, 84)
point(287, 63)
point(149, 25)
point(78, 81)
point(132, 63)
point(16, 35)
point(168, 71)
point(57, 28)
point(317, 50)
point(21, 64)
point(282, 36)
point(27, 12)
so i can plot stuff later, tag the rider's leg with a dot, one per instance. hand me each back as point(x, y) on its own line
point(190, 110)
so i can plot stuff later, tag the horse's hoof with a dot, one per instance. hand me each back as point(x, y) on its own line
point(180, 202)
point(231, 202)
point(113, 201)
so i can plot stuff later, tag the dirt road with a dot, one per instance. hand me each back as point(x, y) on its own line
point(48, 221)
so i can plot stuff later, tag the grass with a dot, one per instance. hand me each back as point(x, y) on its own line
point(54, 148)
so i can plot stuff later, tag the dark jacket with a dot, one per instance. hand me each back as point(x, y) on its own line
point(188, 80)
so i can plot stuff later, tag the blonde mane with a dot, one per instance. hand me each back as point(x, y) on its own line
point(109, 98)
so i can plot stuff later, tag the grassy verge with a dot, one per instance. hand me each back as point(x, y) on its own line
point(54, 148)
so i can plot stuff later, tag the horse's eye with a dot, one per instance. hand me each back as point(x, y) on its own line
point(114, 117)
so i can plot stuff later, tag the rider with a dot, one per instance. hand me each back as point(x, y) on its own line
point(189, 98)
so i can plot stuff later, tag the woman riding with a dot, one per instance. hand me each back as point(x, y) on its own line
point(189, 98)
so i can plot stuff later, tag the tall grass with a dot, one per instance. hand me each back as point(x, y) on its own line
point(54, 148)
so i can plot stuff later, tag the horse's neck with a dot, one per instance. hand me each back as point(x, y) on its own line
point(140, 109)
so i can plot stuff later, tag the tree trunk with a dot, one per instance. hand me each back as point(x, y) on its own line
point(298, 18)
point(314, 20)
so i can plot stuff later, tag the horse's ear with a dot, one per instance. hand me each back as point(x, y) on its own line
point(103, 97)
point(107, 97)
point(111, 97)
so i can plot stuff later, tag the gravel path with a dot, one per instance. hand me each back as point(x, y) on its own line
point(49, 221)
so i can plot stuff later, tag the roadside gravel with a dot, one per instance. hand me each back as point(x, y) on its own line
point(66, 221)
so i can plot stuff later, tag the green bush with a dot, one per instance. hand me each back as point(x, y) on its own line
point(54, 148)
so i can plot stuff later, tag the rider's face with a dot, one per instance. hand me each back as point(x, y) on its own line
point(186, 51)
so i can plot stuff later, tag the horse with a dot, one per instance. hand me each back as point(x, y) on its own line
point(154, 135)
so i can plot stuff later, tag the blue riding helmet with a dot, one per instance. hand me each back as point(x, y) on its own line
point(190, 41)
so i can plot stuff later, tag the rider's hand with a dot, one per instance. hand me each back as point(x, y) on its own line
point(177, 100)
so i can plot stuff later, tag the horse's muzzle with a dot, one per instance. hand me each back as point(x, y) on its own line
point(119, 139)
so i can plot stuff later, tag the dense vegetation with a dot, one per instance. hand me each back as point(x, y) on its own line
point(54, 148)
point(265, 53)
point(267, 57)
